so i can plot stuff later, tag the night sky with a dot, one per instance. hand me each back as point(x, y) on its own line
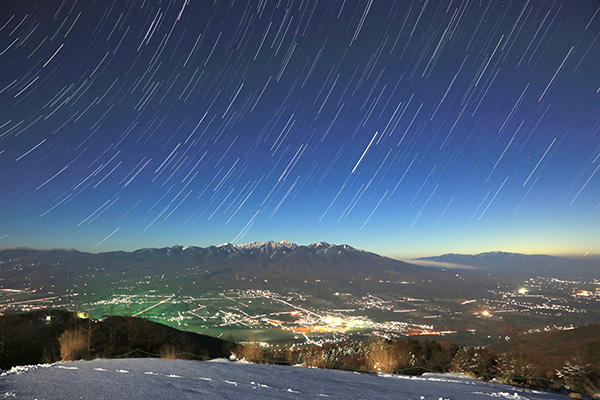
point(402, 127)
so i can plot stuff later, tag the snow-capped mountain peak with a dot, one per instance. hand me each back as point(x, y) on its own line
point(319, 245)
point(270, 248)
point(287, 243)
point(324, 246)
point(260, 246)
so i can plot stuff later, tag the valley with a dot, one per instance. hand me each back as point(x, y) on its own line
point(396, 300)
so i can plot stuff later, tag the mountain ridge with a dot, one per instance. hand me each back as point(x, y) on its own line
point(282, 260)
point(283, 243)
point(520, 265)
point(225, 265)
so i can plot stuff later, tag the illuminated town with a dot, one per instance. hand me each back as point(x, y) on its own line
point(276, 318)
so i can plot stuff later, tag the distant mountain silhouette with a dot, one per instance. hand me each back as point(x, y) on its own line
point(225, 265)
point(522, 265)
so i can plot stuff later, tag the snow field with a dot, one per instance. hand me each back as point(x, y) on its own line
point(144, 379)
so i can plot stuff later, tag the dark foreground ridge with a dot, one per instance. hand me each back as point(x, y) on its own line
point(52, 335)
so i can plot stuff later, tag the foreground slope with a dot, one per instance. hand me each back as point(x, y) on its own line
point(552, 349)
point(162, 379)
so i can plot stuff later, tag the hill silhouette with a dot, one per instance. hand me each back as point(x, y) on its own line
point(553, 349)
point(51, 335)
point(522, 266)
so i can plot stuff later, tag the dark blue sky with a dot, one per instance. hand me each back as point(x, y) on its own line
point(403, 127)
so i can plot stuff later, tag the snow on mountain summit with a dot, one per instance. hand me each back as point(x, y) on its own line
point(264, 246)
point(267, 248)
point(319, 244)
point(287, 243)
point(285, 246)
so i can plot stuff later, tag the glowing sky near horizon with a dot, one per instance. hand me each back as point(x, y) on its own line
point(402, 127)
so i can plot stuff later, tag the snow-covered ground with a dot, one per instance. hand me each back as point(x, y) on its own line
point(147, 379)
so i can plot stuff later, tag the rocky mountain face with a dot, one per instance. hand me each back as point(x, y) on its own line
point(281, 261)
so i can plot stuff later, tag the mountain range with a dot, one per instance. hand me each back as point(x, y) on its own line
point(520, 266)
point(281, 263)
point(225, 265)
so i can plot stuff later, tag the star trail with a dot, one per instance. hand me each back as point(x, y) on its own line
point(402, 127)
